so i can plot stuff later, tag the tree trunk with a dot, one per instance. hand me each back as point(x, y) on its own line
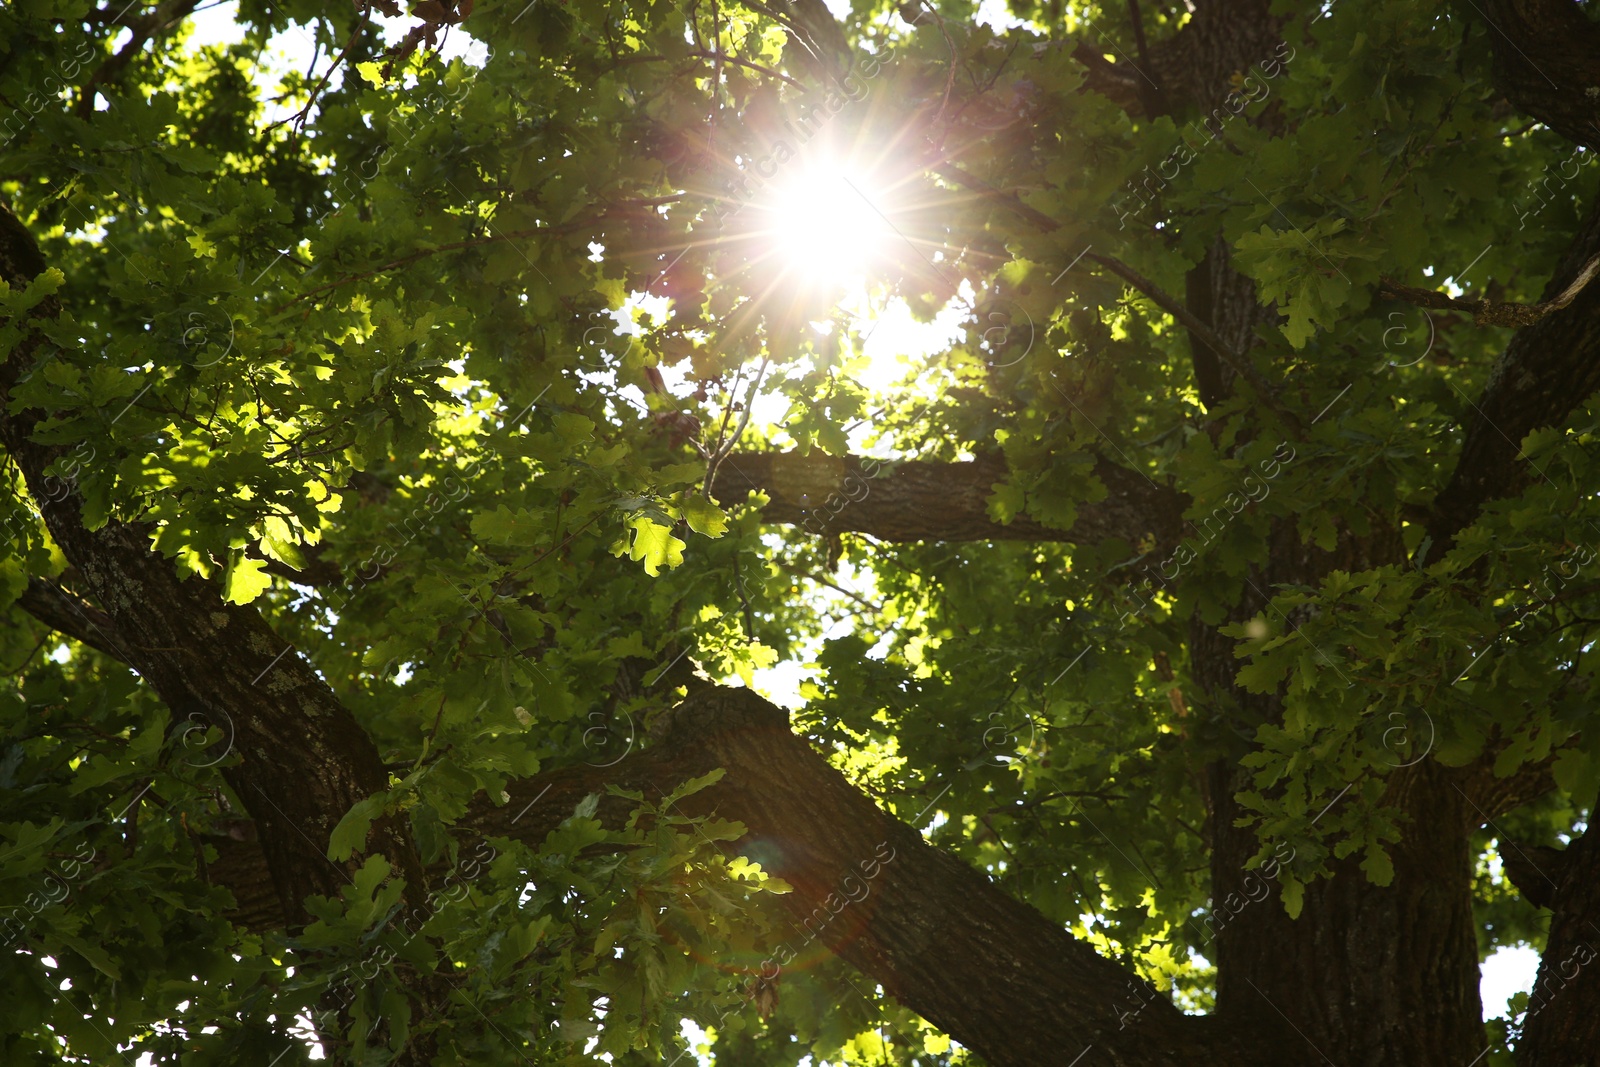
point(1367, 975)
point(305, 760)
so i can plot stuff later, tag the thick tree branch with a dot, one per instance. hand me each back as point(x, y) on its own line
point(1535, 870)
point(921, 501)
point(1488, 313)
point(1547, 62)
point(1547, 370)
point(938, 936)
point(1562, 1025)
point(66, 614)
point(306, 761)
point(1494, 796)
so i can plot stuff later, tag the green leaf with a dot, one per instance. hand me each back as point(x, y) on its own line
point(350, 836)
point(693, 786)
point(1294, 896)
point(371, 876)
point(704, 517)
point(1264, 673)
point(97, 956)
point(572, 428)
point(503, 526)
point(37, 290)
point(1007, 501)
point(653, 544)
point(1378, 865)
point(246, 580)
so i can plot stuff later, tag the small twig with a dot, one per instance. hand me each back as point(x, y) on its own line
point(1197, 326)
point(799, 572)
point(48, 634)
point(801, 34)
point(553, 548)
point(299, 117)
point(719, 57)
point(165, 16)
point(716, 76)
point(744, 420)
point(727, 412)
point(131, 821)
point(950, 78)
point(744, 603)
point(1058, 795)
point(1489, 313)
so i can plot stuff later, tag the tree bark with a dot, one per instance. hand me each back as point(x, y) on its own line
point(916, 500)
point(938, 936)
point(1547, 370)
point(1367, 975)
point(304, 760)
point(1561, 1028)
point(1547, 62)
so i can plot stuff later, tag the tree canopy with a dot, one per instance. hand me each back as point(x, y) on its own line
point(415, 460)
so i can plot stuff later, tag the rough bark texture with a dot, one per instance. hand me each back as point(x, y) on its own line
point(1547, 62)
point(1366, 975)
point(1547, 370)
point(938, 936)
point(66, 614)
point(1562, 1027)
point(923, 501)
point(306, 760)
point(1221, 36)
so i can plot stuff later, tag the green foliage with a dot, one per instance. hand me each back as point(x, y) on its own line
point(382, 344)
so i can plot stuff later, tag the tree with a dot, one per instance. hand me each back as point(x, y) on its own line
point(405, 460)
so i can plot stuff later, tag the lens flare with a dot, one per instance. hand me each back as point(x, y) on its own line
point(827, 223)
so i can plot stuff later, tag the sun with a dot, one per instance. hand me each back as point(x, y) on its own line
point(827, 223)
